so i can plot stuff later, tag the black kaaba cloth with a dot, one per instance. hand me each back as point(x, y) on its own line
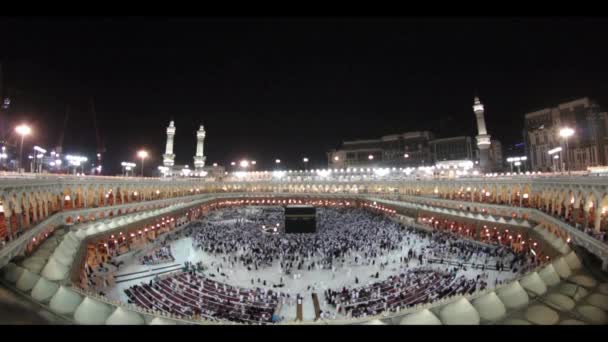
point(300, 219)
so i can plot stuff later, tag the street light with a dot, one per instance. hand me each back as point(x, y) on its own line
point(565, 133)
point(22, 130)
point(555, 157)
point(142, 154)
point(127, 166)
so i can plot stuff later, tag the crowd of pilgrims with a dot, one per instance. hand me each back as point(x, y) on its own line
point(425, 265)
point(190, 295)
point(342, 235)
point(158, 255)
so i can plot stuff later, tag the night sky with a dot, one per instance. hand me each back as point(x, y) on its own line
point(287, 88)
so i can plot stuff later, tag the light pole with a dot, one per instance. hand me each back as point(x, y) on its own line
point(22, 130)
point(553, 152)
point(565, 133)
point(277, 162)
point(142, 154)
point(305, 160)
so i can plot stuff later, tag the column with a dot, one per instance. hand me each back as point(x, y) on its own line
point(9, 228)
point(575, 213)
point(35, 210)
point(27, 217)
point(585, 218)
point(19, 222)
point(85, 198)
point(598, 218)
point(521, 199)
point(96, 201)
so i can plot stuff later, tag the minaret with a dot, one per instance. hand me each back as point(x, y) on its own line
point(483, 138)
point(199, 158)
point(169, 157)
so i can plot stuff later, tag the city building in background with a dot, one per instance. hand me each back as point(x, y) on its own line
point(397, 150)
point(586, 146)
point(455, 148)
point(419, 149)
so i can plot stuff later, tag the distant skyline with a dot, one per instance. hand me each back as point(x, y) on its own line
point(288, 89)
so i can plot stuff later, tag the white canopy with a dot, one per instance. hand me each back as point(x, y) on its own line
point(81, 233)
point(374, 322)
point(564, 303)
point(542, 315)
point(422, 317)
point(489, 307)
point(72, 239)
point(593, 314)
point(27, 281)
point(573, 261)
point(12, 272)
point(68, 246)
point(92, 312)
point(598, 300)
point(65, 301)
point(513, 295)
point(63, 256)
point(34, 264)
point(460, 312)
point(534, 283)
point(44, 290)
point(161, 321)
point(562, 269)
point(549, 276)
point(121, 316)
point(54, 270)
point(91, 231)
point(101, 227)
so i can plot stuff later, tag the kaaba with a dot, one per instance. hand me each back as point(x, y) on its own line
point(300, 219)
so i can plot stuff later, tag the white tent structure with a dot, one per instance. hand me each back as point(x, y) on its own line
point(81, 233)
point(374, 322)
point(65, 301)
point(161, 321)
point(489, 307)
point(564, 303)
point(460, 312)
point(562, 268)
point(513, 295)
point(542, 315)
point(532, 282)
point(593, 314)
point(63, 255)
point(573, 261)
point(549, 276)
point(27, 281)
point(121, 316)
point(92, 311)
point(423, 317)
point(54, 270)
point(44, 290)
point(34, 264)
point(12, 272)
